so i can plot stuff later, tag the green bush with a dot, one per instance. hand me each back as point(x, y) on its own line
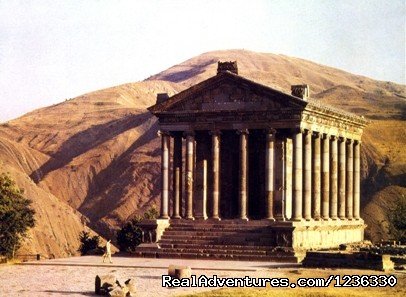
point(16, 216)
point(396, 216)
point(89, 243)
point(129, 237)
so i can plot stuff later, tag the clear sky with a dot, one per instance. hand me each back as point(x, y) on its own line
point(53, 50)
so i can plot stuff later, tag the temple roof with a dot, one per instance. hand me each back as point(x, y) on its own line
point(168, 105)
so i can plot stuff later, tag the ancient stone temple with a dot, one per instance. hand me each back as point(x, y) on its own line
point(249, 172)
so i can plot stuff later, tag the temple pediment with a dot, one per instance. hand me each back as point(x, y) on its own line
point(228, 92)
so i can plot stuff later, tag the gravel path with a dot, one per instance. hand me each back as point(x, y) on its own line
point(75, 276)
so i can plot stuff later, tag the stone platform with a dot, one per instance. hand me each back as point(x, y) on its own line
point(259, 240)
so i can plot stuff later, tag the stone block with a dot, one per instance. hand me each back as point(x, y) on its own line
point(387, 263)
point(118, 292)
point(183, 272)
point(130, 285)
point(362, 260)
point(179, 272)
point(104, 283)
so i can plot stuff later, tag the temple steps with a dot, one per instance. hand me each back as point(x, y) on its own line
point(217, 240)
point(216, 246)
point(225, 240)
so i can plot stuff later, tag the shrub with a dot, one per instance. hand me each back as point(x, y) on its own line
point(396, 216)
point(89, 243)
point(16, 216)
point(129, 237)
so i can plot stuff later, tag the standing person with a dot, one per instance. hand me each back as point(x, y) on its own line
point(107, 253)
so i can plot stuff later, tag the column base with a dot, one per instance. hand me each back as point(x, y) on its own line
point(164, 217)
point(176, 217)
point(280, 218)
point(190, 218)
point(214, 219)
point(201, 218)
point(269, 219)
point(243, 219)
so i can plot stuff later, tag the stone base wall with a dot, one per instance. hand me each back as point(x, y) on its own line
point(362, 260)
point(326, 234)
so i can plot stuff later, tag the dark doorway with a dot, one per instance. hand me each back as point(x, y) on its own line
point(256, 174)
point(229, 166)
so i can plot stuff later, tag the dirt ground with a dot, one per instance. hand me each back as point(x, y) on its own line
point(75, 277)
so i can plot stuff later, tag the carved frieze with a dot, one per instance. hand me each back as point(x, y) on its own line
point(229, 97)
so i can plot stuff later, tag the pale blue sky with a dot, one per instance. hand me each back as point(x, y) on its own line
point(53, 50)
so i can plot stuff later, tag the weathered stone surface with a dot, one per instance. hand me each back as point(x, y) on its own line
point(363, 260)
point(183, 272)
point(179, 272)
point(104, 283)
point(118, 292)
point(131, 287)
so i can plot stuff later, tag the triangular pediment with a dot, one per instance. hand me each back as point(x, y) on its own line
point(228, 92)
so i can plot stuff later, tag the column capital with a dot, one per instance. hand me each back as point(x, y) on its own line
point(163, 133)
point(298, 130)
point(357, 142)
point(342, 138)
point(270, 131)
point(316, 134)
point(325, 135)
point(189, 133)
point(350, 141)
point(242, 131)
point(307, 131)
point(215, 132)
point(334, 137)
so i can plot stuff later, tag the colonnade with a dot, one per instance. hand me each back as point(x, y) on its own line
point(325, 176)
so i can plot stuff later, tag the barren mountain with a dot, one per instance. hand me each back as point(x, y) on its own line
point(98, 155)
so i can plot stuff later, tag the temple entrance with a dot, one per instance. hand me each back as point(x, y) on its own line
point(256, 174)
point(229, 166)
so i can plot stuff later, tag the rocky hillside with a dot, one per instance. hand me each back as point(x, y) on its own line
point(96, 157)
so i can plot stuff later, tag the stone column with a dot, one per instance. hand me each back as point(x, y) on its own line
point(297, 175)
point(177, 176)
point(190, 158)
point(357, 161)
point(316, 177)
point(325, 177)
point(165, 141)
point(349, 180)
point(200, 185)
point(333, 177)
point(280, 179)
point(243, 177)
point(341, 178)
point(269, 173)
point(215, 136)
point(307, 164)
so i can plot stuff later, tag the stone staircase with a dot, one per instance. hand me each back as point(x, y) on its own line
point(222, 240)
